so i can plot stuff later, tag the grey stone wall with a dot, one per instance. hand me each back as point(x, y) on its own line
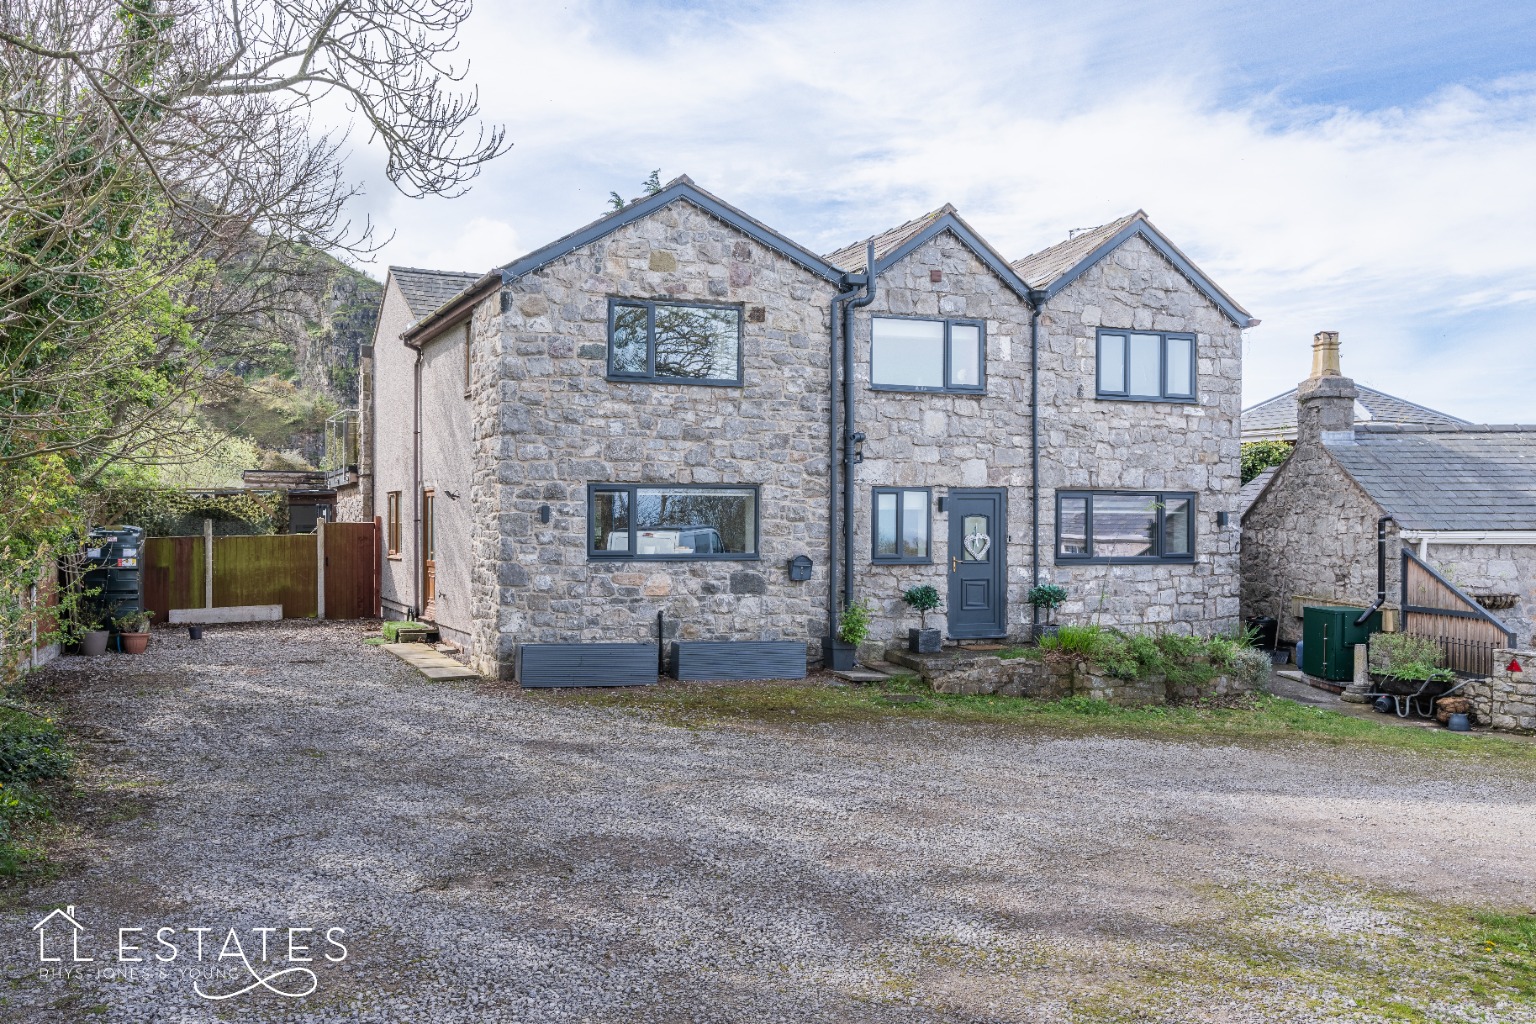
point(1508, 700)
point(942, 441)
point(1312, 533)
point(1494, 570)
point(349, 505)
point(552, 423)
point(1088, 443)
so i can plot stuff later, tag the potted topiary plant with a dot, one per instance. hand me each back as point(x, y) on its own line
point(133, 631)
point(840, 652)
point(1049, 597)
point(923, 600)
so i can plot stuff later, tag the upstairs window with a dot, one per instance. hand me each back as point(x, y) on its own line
point(928, 355)
point(630, 521)
point(1146, 366)
point(1125, 526)
point(684, 343)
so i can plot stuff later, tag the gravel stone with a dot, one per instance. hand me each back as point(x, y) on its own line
point(500, 856)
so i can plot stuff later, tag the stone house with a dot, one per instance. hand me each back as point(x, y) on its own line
point(661, 411)
point(1460, 498)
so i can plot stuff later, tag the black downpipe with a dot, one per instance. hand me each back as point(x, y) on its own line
point(1036, 300)
point(661, 643)
point(835, 458)
point(1381, 570)
point(850, 433)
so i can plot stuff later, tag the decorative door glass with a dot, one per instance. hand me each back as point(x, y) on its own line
point(976, 540)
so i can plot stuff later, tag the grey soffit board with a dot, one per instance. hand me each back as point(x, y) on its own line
point(738, 659)
point(550, 665)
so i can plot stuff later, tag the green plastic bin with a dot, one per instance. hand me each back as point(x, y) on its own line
point(1329, 636)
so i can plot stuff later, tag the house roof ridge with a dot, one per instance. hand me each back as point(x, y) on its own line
point(888, 240)
point(432, 270)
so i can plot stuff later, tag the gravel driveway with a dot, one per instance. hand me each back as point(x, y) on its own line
point(493, 856)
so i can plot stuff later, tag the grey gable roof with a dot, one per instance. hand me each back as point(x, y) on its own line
point(896, 244)
point(426, 291)
point(1447, 478)
point(680, 188)
point(1053, 268)
point(1275, 418)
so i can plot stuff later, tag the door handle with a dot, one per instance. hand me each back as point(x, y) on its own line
point(954, 564)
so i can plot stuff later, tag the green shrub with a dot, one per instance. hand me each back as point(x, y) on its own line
point(1180, 658)
point(1407, 657)
point(1252, 666)
point(1046, 595)
point(31, 748)
point(922, 600)
point(853, 627)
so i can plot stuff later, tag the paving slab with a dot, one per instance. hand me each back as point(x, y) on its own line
point(429, 662)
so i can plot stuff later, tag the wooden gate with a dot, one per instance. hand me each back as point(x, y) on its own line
point(281, 570)
point(1435, 607)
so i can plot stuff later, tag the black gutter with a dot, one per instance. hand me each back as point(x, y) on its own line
point(1037, 300)
point(851, 437)
point(1381, 569)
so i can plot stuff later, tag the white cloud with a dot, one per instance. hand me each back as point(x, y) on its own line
point(1403, 228)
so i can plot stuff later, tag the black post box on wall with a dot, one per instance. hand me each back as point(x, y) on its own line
point(799, 569)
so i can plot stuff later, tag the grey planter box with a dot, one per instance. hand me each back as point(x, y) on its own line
point(540, 665)
point(738, 659)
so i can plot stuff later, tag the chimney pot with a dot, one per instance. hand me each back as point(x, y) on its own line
point(1325, 354)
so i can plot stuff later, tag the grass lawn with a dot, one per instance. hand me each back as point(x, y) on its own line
point(1261, 718)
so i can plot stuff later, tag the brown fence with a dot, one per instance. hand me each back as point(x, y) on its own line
point(281, 570)
point(1435, 607)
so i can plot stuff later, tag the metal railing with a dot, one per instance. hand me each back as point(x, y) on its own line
point(341, 443)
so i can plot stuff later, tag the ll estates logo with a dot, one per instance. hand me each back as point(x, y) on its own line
point(219, 963)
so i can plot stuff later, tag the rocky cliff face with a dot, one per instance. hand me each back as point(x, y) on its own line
point(345, 305)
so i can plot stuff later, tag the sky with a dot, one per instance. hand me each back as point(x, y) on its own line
point(1365, 167)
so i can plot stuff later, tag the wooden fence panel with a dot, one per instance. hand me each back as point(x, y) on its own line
point(351, 558)
point(267, 570)
point(171, 574)
point(1435, 607)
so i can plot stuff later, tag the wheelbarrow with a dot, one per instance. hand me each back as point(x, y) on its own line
point(1420, 701)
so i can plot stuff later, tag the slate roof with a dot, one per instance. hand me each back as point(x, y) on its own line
point(1275, 418)
point(1250, 490)
point(851, 257)
point(1043, 268)
point(1053, 268)
point(428, 290)
point(1471, 477)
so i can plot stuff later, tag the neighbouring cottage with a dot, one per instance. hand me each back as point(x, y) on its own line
point(1455, 504)
point(678, 410)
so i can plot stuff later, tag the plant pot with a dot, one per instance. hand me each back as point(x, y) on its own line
point(924, 641)
point(836, 655)
point(1040, 630)
point(95, 642)
point(1459, 722)
point(195, 632)
point(133, 643)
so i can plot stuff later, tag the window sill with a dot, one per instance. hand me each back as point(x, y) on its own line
point(1170, 560)
point(899, 389)
point(901, 561)
point(686, 381)
point(394, 558)
point(610, 559)
point(1150, 401)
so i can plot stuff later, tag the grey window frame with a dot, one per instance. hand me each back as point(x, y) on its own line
point(1162, 504)
point(596, 555)
point(874, 538)
point(1124, 333)
point(650, 376)
point(949, 323)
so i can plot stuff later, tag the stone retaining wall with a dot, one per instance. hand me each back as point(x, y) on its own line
point(1508, 700)
point(973, 673)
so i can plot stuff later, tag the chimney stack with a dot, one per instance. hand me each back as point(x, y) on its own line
point(1325, 401)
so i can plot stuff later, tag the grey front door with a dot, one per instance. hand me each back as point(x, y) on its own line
point(978, 563)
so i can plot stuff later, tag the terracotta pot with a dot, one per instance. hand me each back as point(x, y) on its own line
point(95, 642)
point(133, 643)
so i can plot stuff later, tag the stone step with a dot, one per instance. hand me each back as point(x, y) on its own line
point(429, 662)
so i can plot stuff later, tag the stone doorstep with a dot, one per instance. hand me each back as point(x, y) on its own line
point(861, 675)
point(429, 662)
point(945, 661)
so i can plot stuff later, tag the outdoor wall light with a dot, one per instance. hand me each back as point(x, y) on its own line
point(543, 513)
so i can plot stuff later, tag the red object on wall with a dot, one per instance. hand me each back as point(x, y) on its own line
point(1514, 665)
